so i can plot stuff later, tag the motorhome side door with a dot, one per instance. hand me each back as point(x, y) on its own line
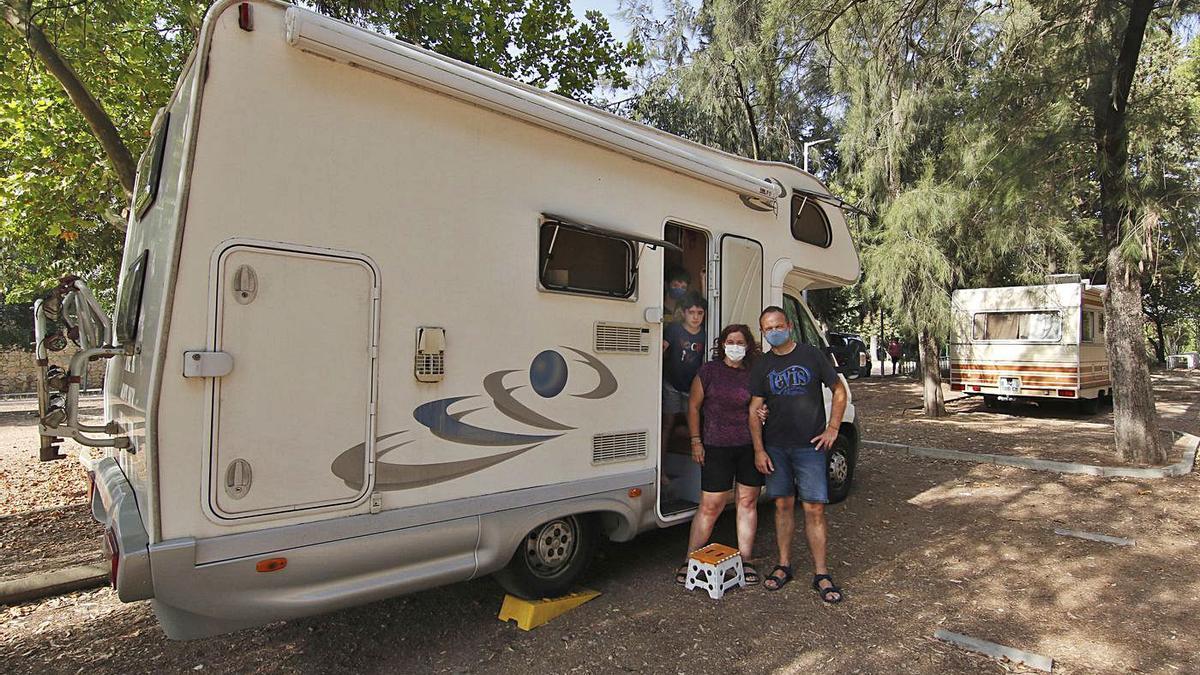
point(300, 326)
point(741, 282)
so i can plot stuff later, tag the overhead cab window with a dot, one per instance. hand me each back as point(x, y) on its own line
point(809, 222)
point(580, 258)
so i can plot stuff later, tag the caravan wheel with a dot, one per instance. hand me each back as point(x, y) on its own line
point(550, 558)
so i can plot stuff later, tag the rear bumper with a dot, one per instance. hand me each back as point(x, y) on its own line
point(115, 506)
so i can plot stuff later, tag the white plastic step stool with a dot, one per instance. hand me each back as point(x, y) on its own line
point(708, 568)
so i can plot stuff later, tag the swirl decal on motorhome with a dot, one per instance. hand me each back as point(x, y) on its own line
point(548, 378)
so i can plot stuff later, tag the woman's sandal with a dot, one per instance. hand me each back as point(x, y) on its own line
point(681, 574)
point(750, 574)
point(773, 582)
point(828, 590)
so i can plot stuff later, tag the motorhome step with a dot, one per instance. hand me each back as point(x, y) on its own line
point(530, 614)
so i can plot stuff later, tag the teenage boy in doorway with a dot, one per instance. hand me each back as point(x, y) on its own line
point(684, 344)
point(789, 449)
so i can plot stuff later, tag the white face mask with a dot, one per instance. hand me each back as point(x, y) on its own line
point(735, 353)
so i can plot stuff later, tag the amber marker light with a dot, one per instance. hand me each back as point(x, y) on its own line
point(271, 564)
point(634, 493)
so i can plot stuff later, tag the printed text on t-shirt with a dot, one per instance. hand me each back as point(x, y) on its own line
point(792, 381)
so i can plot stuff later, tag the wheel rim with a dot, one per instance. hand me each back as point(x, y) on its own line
point(839, 468)
point(550, 548)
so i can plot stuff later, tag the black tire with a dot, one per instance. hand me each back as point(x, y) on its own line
point(865, 371)
point(551, 558)
point(991, 401)
point(839, 469)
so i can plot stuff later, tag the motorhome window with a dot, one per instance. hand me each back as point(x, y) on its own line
point(803, 329)
point(809, 223)
point(129, 306)
point(149, 170)
point(1087, 329)
point(1031, 326)
point(575, 261)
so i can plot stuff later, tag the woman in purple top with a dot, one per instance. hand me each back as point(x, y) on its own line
point(720, 396)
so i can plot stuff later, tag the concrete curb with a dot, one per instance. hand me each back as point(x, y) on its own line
point(45, 584)
point(1188, 443)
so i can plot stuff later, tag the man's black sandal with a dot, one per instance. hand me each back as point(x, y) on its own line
point(828, 590)
point(750, 574)
point(779, 582)
point(681, 574)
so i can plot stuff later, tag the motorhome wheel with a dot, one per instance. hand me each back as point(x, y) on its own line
point(840, 470)
point(550, 558)
point(1088, 406)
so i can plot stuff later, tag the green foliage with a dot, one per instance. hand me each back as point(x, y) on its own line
point(539, 42)
point(61, 206)
point(59, 199)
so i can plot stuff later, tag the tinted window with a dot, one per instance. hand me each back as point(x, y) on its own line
point(809, 223)
point(803, 329)
point(149, 172)
point(576, 261)
point(129, 307)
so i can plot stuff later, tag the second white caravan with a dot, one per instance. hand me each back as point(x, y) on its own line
point(389, 321)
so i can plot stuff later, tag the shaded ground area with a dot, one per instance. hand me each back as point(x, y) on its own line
point(1051, 430)
point(43, 541)
point(919, 545)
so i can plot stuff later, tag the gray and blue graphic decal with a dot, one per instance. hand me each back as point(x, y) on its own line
point(548, 377)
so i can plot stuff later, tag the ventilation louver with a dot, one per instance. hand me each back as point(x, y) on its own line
point(619, 447)
point(619, 338)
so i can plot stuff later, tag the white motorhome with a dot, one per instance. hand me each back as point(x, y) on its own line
point(1034, 342)
point(388, 321)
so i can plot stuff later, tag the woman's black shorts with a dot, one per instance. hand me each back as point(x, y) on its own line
point(724, 465)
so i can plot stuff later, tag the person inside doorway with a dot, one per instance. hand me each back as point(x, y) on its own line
point(683, 347)
point(678, 282)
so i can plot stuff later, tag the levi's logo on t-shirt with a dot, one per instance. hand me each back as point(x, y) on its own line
point(792, 381)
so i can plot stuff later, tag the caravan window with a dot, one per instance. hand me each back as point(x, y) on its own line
point(149, 170)
point(1032, 326)
point(809, 223)
point(1087, 329)
point(576, 261)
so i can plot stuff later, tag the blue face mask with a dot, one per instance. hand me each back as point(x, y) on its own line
point(676, 292)
point(777, 337)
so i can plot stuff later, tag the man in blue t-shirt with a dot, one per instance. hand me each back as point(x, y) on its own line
point(790, 448)
point(683, 347)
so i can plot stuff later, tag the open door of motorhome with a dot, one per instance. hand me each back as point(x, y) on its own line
point(300, 327)
point(741, 282)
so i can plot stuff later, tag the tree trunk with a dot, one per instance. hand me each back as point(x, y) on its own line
point(122, 161)
point(931, 376)
point(1134, 415)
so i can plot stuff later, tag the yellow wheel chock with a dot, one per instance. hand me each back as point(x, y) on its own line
point(530, 614)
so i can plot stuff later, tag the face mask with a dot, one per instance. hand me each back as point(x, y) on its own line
point(777, 337)
point(735, 353)
point(676, 292)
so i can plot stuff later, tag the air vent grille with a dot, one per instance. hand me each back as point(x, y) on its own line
point(617, 338)
point(431, 365)
point(618, 447)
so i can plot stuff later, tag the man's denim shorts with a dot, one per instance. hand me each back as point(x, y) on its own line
point(798, 471)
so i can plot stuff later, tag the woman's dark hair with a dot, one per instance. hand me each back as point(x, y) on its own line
point(752, 350)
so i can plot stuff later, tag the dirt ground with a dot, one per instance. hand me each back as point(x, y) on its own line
point(919, 545)
point(891, 411)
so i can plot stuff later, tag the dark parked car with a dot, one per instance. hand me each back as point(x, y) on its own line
point(853, 357)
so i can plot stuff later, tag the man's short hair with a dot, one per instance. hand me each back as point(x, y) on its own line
point(679, 274)
point(693, 299)
point(771, 309)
